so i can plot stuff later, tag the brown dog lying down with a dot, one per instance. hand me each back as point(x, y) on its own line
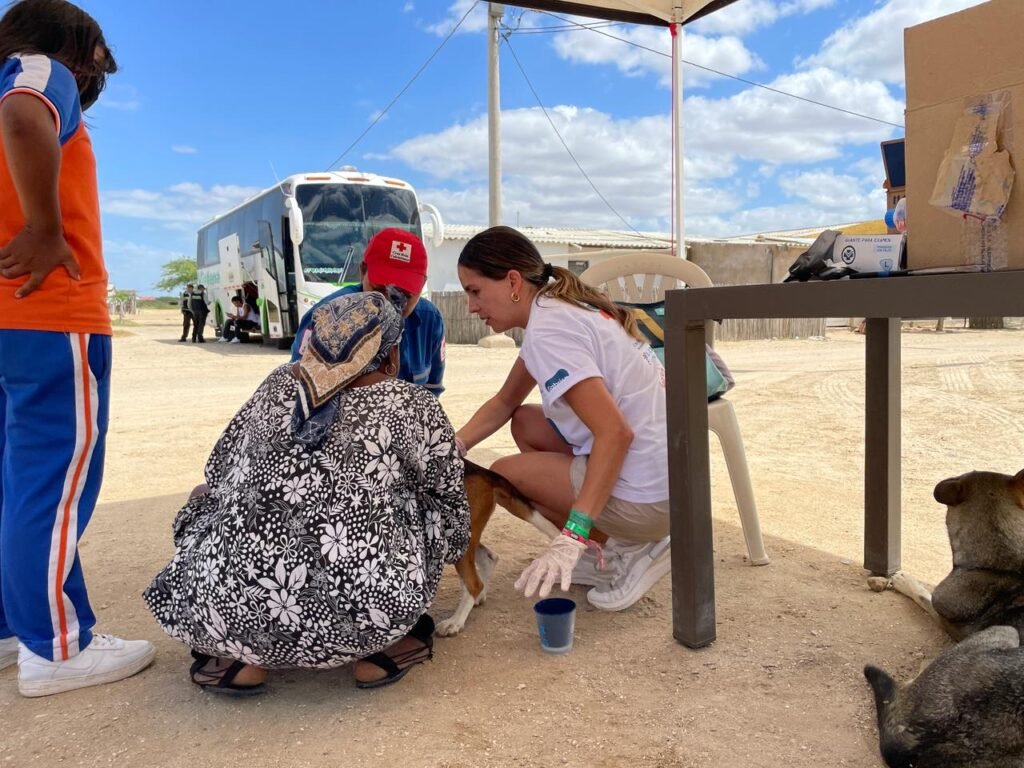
point(486, 489)
point(966, 710)
point(985, 522)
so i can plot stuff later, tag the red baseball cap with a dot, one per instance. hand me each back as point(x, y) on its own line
point(397, 257)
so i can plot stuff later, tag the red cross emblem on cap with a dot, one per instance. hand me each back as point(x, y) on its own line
point(400, 251)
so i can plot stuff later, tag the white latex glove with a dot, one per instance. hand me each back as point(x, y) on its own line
point(556, 563)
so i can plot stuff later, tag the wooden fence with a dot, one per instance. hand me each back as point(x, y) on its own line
point(463, 328)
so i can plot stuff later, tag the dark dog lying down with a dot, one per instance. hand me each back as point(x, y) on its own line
point(967, 707)
point(985, 522)
point(965, 710)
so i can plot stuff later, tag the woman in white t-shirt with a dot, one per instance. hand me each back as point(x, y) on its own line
point(594, 456)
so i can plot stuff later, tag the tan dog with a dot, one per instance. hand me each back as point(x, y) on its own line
point(486, 489)
point(985, 522)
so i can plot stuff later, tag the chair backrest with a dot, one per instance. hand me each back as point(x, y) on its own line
point(641, 277)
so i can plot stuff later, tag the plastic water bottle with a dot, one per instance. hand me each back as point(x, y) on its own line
point(899, 216)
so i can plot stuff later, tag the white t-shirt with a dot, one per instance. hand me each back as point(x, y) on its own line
point(563, 345)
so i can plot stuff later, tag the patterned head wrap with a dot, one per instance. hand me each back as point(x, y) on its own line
point(349, 336)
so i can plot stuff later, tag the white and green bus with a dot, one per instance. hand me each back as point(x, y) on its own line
point(289, 246)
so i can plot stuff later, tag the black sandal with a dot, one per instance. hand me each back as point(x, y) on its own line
point(398, 665)
point(222, 681)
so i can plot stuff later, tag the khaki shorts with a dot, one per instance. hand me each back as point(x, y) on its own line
point(632, 521)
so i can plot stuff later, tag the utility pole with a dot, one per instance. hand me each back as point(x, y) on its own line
point(494, 14)
point(678, 15)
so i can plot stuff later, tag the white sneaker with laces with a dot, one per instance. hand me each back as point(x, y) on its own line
point(222, 340)
point(107, 659)
point(587, 572)
point(638, 567)
point(8, 651)
point(236, 340)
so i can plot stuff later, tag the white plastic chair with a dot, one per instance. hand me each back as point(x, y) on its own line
point(642, 278)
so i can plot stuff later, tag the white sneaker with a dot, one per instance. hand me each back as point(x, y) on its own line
point(589, 574)
point(8, 651)
point(638, 567)
point(107, 659)
point(236, 340)
point(222, 340)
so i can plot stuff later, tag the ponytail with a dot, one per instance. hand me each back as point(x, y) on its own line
point(569, 288)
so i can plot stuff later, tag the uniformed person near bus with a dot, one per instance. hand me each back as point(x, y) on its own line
point(197, 303)
point(186, 311)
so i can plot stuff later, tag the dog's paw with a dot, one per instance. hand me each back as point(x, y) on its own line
point(905, 584)
point(449, 627)
point(481, 598)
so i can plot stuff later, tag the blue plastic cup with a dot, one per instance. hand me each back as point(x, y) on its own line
point(556, 621)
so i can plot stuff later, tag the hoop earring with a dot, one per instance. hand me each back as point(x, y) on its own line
point(515, 298)
point(390, 369)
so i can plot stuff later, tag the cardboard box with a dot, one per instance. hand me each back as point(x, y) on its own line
point(869, 253)
point(948, 60)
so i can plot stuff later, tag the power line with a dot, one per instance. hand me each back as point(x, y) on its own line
point(723, 74)
point(419, 72)
point(559, 135)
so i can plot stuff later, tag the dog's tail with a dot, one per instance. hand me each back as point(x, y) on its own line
point(897, 745)
point(505, 494)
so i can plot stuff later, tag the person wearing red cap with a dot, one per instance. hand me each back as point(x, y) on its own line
point(397, 257)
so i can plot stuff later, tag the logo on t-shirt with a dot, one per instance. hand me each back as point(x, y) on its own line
point(560, 375)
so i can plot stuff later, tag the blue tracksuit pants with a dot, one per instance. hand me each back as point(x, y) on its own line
point(54, 396)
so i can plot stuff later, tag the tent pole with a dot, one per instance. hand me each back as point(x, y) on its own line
point(494, 15)
point(677, 126)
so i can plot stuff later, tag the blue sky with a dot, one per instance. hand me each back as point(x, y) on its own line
point(217, 99)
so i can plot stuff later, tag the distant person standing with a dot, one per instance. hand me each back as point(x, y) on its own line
point(55, 350)
point(186, 311)
point(197, 303)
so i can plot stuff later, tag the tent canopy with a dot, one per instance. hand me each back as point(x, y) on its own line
point(656, 12)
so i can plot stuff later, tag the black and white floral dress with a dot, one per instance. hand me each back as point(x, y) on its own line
point(305, 557)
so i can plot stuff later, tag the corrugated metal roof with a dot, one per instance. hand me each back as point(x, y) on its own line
point(586, 238)
point(856, 227)
point(612, 238)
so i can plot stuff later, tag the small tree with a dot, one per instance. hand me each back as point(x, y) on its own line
point(176, 273)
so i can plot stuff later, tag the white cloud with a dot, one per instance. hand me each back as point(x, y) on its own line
point(135, 265)
point(743, 18)
point(475, 22)
point(183, 149)
point(121, 97)
point(408, 8)
point(767, 127)
point(187, 202)
point(629, 160)
point(872, 45)
point(648, 51)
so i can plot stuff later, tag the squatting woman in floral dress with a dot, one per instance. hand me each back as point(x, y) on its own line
point(335, 497)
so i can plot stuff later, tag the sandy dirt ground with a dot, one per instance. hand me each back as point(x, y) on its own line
point(782, 685)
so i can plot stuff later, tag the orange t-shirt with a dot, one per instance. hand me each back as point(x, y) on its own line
point(60, 303)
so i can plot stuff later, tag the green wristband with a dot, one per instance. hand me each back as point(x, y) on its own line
point(579, 522)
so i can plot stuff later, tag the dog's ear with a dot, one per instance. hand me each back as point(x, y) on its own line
point(1017, 484)
point(950, 492)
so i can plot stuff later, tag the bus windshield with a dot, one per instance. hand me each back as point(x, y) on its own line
point(338, 222)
